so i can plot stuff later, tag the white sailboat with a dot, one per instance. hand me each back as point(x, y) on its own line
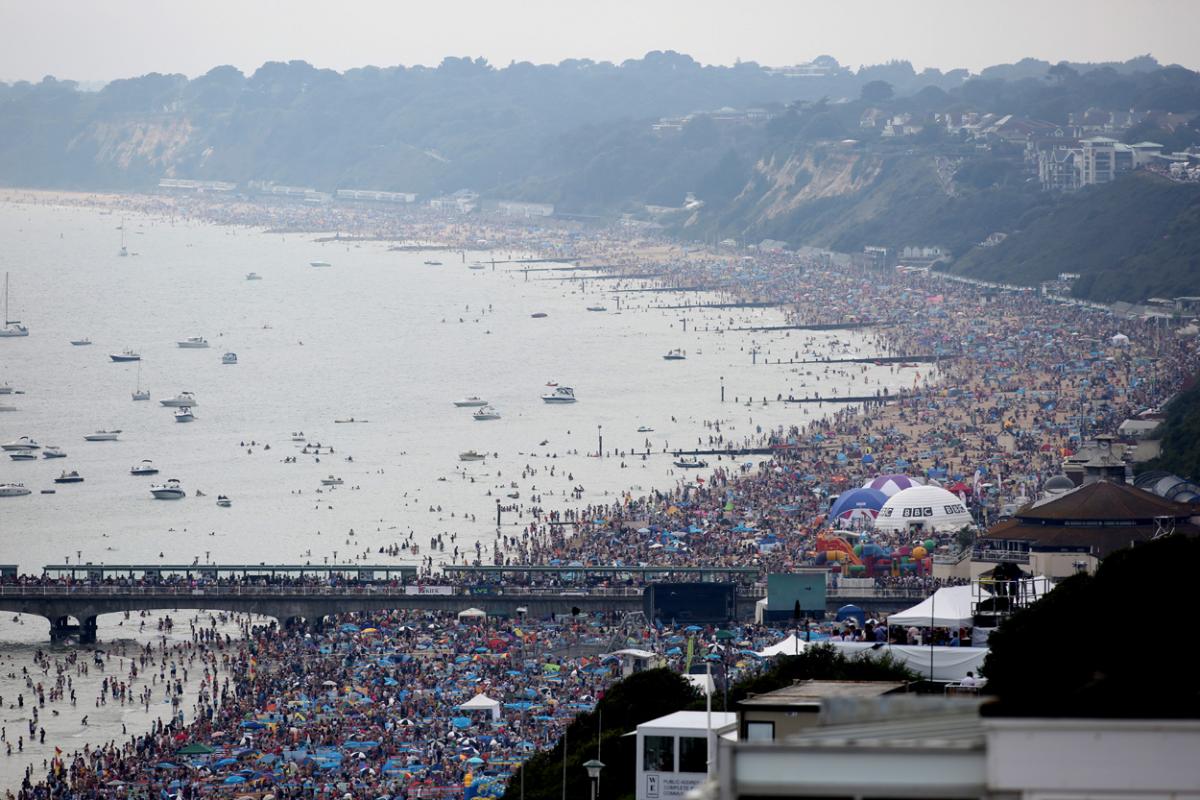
point(139, 393)
point(12, 327)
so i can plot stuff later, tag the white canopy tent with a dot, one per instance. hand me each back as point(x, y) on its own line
point(703, 683)
point(481, 702)
point(930, 507)
point(949, 607)
point(472, 613)
point(791, 646)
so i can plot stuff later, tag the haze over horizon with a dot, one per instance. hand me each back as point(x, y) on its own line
point(57, 37)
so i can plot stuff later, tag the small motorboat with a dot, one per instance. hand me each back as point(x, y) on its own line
point(562, 394)
point(53, 452)
point(141, 394)
point(69, 477)
point(486, 413)
point(13, 490)
point(24, 443)
point(229, 358)
point(597, 308)
point(125, 355)
point(349, 420)
point(84, 342)
point(319, 264)
point(23, 455)
point(477, 265)
point(223, 501)
point(645, 429)
point(298, 436)
point(690, 463)
point(49, 491)
point(332, 481)
point(6, 389)
point(193, 343)
point(102, 436)
point(675, 355)
point(146, 467)
point(184, 414)
point(171, 490)
point(471, 402)
point(433, 263)
point(539, 315)
point(253, 276)
point(182, 399)
point(471, 455)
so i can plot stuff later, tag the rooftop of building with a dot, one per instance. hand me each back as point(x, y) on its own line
point(804, 693)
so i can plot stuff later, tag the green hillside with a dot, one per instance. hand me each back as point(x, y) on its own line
point(1136, 238)
point(1180, 436)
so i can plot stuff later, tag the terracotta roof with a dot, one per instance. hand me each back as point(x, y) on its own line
point(1103, 501)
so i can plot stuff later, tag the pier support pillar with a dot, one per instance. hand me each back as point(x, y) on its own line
point(61, 629)
point(87, 631)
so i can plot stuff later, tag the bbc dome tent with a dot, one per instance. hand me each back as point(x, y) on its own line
point(929, 507)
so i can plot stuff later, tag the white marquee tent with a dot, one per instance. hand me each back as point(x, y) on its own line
point(948, 607)
point(481, 702)
point(931, 507)
point(472, 613)
point(791, 646)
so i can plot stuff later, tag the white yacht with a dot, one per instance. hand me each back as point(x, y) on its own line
point(684, 462)
point(319, 264)
point(24, 443)
point(23, 455)
point(125, 355)
point(253, 276)
point(103, 436)
point(471, 455)
point(53, 452)
point(223, 501)
point(486, 413)
point(229, 358)
point(184, 414)
point(332, 481)
point(181, 399)
point(193, 343)
point(146, 467)
point(471, 402)
point(84, 342)
point(561, 394)
point(69, 477)
point(171, 490)
point(675, 355)
point(12, 327)
point(13, 490)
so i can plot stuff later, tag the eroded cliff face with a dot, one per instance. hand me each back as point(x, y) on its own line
point(815, 173)
point(136, 142)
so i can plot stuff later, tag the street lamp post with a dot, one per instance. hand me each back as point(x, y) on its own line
point(593, 768)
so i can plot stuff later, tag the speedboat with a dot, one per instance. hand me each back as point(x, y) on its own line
point(223, 501)
point(562, 394)
point(253, 276)
point(597, 308)
point(125, 355)
point(332, 481)
point(24, 443)
point(539, 315)
point(146, 467)
point(13, 490)
point(102, 436)
point(471, 455)
point(319, 264)
point(53, 452)
point(486, 413)
point(193, 343)
point(645, 429)
point(229, 358)
point(433, 263)
point(69, 477)
point(184, 414)
point(181, 399)
point(690, 463)
point(298, 436)
point(81, 342)
point(171, 490)
point(23, 455)
point(471, 402)
point(675, 355)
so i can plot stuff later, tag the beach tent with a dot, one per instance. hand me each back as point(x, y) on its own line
point(948, 607)
point(855, 504)
point(930, 507)
point(891, 484)
point(787, 647)
point(472, 613)
point(481, 702)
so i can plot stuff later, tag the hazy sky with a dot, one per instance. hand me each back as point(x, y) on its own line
point(105, 39)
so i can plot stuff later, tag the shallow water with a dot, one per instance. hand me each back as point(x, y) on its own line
point(377, 336)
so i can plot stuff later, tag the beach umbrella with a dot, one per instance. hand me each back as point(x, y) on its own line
point(235, 779)
point(196, 749)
